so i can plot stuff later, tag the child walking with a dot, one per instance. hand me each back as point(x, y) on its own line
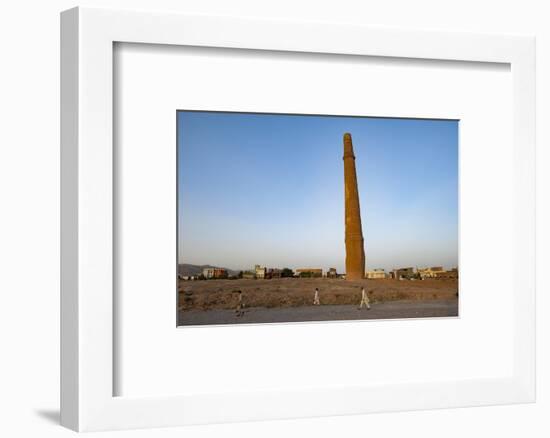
point(239, 310)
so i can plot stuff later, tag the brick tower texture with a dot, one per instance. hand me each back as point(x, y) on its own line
point(355, 250)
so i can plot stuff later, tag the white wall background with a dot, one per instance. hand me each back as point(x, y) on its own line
point(29, 212)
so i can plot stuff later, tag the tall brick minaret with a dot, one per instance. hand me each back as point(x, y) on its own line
point(355, 250)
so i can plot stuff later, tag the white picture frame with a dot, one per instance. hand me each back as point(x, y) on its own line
point(87, 317)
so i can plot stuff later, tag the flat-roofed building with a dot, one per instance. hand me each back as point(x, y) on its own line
point(309, 272)
point(260, 271)
point(431, 272)
point(448, 275)
point(214, 273)
point(331, 273)
point(402, 273)
point(378, 273)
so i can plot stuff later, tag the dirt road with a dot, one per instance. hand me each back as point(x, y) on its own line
point(386, 310)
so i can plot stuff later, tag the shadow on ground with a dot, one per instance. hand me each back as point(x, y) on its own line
point(52, 415)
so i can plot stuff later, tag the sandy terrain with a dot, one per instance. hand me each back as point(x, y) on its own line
point(296, 292)
point(386, 310)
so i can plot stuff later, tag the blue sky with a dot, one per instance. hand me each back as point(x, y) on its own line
point(268, 189)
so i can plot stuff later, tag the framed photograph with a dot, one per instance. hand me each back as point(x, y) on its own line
point(274, 219)
point(284, 190)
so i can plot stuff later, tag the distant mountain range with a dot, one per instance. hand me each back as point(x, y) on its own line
point(186, 269)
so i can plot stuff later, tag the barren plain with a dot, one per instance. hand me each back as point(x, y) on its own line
point(278, 300)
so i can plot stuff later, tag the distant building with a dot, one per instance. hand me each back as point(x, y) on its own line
point(331, 273)
point(438, 272)
point(309, 272)
point(402, 273)
point(448, 275)
point(274, 273)
point(432, 272)
point(214, 273)
point(260, 272)
point(376, 274)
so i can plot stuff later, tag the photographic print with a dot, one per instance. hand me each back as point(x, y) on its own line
point(296, 218)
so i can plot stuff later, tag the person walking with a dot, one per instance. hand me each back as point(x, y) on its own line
point(239, 310)
point(316, 301)
point(364, 299)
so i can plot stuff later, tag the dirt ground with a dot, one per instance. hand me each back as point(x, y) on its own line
point(296, 292)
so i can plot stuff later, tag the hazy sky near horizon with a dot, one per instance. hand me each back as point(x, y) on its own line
point(268, 189)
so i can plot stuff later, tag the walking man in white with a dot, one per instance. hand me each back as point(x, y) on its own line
point(316, 301)
point(364, 299)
